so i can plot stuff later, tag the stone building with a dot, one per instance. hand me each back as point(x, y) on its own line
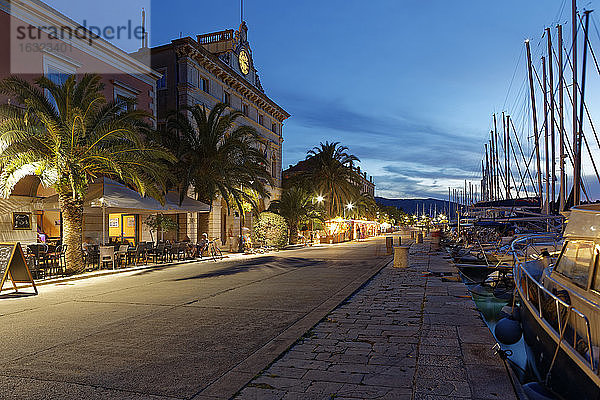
point(42, 53)
point(363, 182)
point(212, 68)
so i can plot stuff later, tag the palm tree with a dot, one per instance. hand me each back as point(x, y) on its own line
point(364, 206)
point(330, 174)
point(219, 157)
point(72, 141)
point(296, 205)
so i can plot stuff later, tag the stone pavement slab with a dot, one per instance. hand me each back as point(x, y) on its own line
point(407, 334)
point(195, 330)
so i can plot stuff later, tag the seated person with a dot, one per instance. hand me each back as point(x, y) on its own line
point(202, 244)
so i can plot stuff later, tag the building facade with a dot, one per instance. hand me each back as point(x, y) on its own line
point(219, 67)
point(363, 182)
point(123, 76)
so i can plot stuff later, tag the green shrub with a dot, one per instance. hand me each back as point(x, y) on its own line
point(270, 229)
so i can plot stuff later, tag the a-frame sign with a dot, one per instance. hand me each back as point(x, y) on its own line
point(14, 266)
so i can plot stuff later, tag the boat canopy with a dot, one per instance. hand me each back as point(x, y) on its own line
point(584, 221)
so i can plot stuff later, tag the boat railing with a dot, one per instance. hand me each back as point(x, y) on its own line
point(523, 277)
point(525, 246)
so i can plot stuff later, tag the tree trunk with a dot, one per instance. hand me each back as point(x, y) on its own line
point(293, 233)
point(72, 221)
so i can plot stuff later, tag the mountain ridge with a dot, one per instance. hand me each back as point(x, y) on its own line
point(409, 206)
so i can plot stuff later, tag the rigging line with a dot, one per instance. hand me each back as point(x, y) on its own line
point(595, 26)
point(591, 157)
point(560, 11)
point(568, 148)
point(524, 160)
point(513, 76)
point(584, 136)
point(512, 147)
point(593, 53)
point(585, 103)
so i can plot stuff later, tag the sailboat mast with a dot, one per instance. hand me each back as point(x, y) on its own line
point(552, 122)
point(582, 103)
point(492, 169)
point(561, 109)
point(546, 150)
point(576, 153)
point(506, 183)
point(487, 172)
point(497, 162)
point(535, 127)
point(507, 150)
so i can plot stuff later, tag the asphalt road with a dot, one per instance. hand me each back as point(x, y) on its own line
point(199, 330)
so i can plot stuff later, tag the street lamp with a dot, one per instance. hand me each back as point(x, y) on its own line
point(320, 199)
point(349, 206)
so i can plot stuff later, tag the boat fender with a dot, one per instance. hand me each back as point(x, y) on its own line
point(516, 314)
point(508, 331)
point(536, 391)
point(508, 312)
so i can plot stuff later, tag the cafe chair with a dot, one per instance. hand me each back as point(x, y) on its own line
point(107, 254)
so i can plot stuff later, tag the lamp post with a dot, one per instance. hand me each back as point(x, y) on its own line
point(319, 200)
point(349, 206)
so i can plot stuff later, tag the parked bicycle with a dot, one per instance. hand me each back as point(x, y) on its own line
point(214, 251)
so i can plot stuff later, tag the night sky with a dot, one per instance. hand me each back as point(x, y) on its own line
point(408, 85)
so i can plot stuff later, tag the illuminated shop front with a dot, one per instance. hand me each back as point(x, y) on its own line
point(339, 230)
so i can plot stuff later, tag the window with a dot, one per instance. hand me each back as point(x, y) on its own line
point(274, 171)
point(274, 127)
point(261, 119)
point(58, 71)
point(245, 109)
point(125, 96)
point(227, 98)
point(125, 103)
point(194, 75)
point(205, 86)
point(596, 283)
point(162, 82)
point(574, 262)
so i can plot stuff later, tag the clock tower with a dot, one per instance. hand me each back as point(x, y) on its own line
point(232, 47)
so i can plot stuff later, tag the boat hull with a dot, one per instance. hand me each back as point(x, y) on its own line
point(567, 379)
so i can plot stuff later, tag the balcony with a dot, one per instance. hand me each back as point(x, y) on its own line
point(216, 37)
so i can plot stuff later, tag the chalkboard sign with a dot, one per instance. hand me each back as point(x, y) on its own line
point(14, 266)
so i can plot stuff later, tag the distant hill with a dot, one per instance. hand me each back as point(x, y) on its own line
point(409, 206)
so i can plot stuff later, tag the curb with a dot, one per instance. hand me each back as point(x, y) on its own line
point(234, 380)
point(146, 267)
point(112, 272)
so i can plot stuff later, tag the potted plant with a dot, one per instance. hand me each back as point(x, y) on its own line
point(160, 223)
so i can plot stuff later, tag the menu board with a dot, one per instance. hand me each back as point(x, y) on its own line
point(14, 266)
point(6, 251)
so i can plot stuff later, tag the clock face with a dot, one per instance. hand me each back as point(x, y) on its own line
point(244, 62)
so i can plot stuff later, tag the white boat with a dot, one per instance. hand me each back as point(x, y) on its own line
point(560, 308)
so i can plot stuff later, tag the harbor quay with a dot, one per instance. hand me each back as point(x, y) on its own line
point(328, 321)
point(411, 333)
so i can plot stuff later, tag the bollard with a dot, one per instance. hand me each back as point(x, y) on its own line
point(436, 235)
point(401, 256)
point(389, 244)
point(419, 237)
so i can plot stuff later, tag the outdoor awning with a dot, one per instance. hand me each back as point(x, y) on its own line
point(116, 197)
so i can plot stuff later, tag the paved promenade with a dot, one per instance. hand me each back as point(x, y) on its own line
point(196, 330)
point(408, 334)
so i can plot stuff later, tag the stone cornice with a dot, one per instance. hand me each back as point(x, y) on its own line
point(187, 47)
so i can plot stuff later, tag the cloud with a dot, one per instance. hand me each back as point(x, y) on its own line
point(407, 157)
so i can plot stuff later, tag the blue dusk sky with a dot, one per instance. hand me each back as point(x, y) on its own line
point(408, 85)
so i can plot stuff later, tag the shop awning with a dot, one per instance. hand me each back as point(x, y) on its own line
point(116, 197)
